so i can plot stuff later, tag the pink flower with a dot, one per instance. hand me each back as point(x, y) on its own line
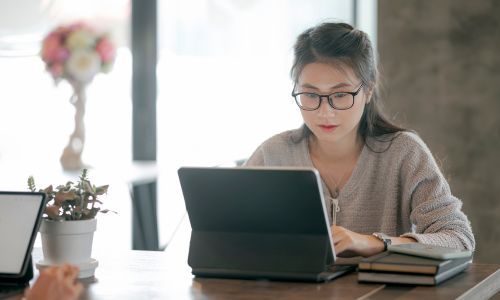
point(50, 46)
point(61, 55)
point(105, 49)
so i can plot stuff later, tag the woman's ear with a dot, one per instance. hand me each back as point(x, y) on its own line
point(369, 94)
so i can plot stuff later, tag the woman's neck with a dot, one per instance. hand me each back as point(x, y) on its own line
point(333, 152)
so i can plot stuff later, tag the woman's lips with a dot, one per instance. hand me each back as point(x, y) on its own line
point(328, 128)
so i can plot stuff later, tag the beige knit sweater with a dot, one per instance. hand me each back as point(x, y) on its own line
point(399, 191)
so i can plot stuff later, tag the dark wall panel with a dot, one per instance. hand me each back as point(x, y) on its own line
point(441, 73)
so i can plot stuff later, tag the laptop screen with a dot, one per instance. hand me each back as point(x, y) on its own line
point(19, 220)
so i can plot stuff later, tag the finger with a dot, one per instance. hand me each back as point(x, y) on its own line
point(73, 291)
point(70, 271)
point(78, 289)
point(59, 273)
point(49, 270)
point(338, 235)
point(340, 247)
point(63, 271)
point(73, 271)
point(338, 228)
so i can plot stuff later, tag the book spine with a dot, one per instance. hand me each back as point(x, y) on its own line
point(451, 272)
point(395, 278)
point(365, 266)
point(414, 269)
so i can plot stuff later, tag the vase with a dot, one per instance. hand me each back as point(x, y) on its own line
point(71, 158)
point(68, 242)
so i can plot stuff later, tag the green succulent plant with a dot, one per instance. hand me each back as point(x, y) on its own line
point(72, 201)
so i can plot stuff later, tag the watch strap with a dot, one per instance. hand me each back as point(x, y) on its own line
point(384, 238)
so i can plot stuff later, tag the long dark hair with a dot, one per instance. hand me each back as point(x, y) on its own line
point(341, 44)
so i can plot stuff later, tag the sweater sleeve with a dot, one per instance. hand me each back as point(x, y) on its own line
point(256, 159)
point(436, 214)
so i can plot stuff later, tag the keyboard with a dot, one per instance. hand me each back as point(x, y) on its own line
point(341, 268)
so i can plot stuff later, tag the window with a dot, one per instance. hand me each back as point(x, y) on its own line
point(36, 117)
point(223, 80)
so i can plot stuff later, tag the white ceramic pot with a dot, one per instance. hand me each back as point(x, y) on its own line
point(67, 241)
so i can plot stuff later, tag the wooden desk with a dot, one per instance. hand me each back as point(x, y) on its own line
point(166, 275)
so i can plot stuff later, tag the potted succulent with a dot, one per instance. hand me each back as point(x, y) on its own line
point(69, 223)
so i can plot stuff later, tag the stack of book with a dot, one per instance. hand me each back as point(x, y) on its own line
point(390, 267)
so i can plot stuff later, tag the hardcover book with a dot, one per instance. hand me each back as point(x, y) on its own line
point(406, 278)
point(389, 267)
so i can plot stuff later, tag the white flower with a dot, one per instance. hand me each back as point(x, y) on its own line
point(80, 39)
point(83, 65)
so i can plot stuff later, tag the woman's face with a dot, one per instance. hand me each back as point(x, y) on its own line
point(326, 123)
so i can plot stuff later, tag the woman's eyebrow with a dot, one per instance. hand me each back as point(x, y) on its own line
point(339, 85)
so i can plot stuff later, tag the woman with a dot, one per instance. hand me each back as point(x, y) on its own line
point(381, 182)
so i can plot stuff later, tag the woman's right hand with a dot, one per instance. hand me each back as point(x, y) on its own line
point(349, 243)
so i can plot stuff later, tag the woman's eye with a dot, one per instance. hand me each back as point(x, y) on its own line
point(339, 95)
point(310, 95)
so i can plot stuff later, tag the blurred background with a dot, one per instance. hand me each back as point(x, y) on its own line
point(204, 82)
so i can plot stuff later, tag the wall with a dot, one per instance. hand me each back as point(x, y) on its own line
point(440, 62)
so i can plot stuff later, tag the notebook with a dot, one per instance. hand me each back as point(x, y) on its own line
point(258, 223)
point(401, 263)
point(409, 278)
point(20, 217)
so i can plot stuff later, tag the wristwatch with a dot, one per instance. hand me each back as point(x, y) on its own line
point(384, 238)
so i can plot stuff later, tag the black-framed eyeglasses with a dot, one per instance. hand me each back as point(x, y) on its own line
point(338, 100)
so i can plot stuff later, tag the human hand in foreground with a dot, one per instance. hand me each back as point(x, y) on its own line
point(56, 283)
point(349, 243)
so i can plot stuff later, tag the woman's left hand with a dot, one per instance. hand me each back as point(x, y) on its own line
point(349, 243)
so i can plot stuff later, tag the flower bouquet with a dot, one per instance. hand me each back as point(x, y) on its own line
point(77, 52)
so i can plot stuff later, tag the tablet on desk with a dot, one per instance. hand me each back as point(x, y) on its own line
point(260, 223)
point(431, 251)
point(20, 218)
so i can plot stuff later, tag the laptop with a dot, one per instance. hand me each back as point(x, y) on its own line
point(258, 223)
point(20, 217)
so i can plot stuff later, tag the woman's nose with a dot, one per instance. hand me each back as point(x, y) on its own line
point(325, 108)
